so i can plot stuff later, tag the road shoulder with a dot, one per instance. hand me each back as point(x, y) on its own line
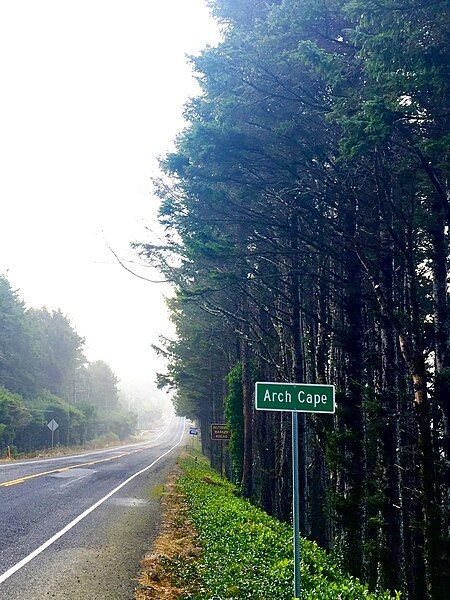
point(176, 543)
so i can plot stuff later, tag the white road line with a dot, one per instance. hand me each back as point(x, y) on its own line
point(69, 456)
point(76, 479)
point(7, 574)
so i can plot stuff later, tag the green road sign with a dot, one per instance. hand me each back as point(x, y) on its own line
point(295, 398)
point(298, 397)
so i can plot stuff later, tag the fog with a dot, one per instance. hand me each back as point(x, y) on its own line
point(92, 94)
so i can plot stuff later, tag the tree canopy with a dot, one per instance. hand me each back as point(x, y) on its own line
point(306, 214)
point(44, 375)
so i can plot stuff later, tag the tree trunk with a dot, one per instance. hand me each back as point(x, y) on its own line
point(351, 410)
point(393, 558)
point(441, 319)
point(247, 407)
point(298, 374)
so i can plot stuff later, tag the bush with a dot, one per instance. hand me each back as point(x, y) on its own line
point(235, 419)
point(107, 439)
point(23, 422)
point(14, 415)
point(248, 554)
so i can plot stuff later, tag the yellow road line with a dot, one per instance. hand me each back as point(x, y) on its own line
point(62, 469)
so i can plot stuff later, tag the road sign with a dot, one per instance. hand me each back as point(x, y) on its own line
point(193, 431)
point(295, 398)
point(53, 425)
point(298, 397)
point(220, 431)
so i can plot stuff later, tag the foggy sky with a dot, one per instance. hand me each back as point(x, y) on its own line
point(92, 93)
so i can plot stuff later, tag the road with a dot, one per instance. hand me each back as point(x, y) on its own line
point(76, 527)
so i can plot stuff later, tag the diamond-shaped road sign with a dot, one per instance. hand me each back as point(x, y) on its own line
point(53, 425)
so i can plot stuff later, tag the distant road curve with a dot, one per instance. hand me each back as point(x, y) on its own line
point(32, 461)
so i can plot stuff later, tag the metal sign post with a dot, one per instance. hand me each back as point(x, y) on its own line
point(53, 426)
point(296, 506)
point(193, 431)
point(295, 398)
point(221, 432)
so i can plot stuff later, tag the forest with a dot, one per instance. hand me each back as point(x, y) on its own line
point(44, 375)
point(306, 213)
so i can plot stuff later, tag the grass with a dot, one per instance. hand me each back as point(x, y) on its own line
point(175, 549)
point(157, 491)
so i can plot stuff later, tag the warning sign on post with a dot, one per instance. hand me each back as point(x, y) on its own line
point(220, 431)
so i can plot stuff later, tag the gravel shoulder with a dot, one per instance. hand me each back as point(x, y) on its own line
point(176, 542)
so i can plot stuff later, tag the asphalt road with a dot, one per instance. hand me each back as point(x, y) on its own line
point(76, 527)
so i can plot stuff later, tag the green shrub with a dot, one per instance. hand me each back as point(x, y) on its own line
point(105, 439)
point(234, 415)
point(248, 555)
point(14, 415)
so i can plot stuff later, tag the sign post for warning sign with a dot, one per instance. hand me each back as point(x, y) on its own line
point(295, 397)
point(221, 432)
point(53, 426)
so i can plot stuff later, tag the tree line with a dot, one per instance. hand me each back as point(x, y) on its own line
point(306, 211)
point(44, 375)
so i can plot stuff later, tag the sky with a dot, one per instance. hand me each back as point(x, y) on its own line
point(91, 94)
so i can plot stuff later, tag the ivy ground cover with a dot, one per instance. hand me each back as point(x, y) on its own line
point(247, 554)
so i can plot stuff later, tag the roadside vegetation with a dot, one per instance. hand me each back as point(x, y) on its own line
point(236, 550)
point(44, 375)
